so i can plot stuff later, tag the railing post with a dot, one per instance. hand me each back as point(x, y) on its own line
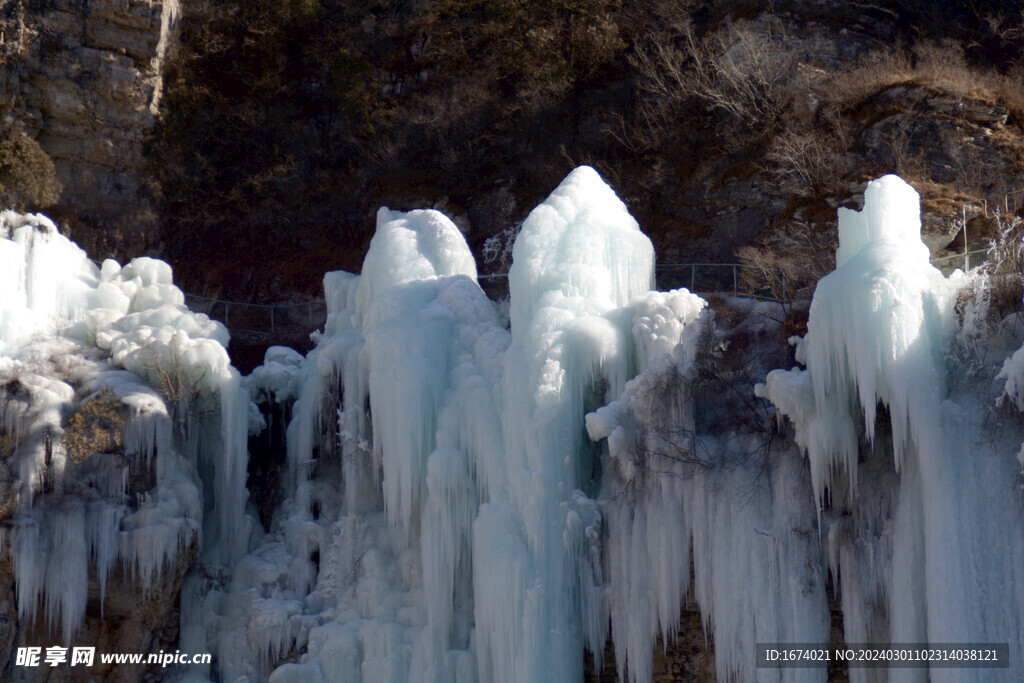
point(693, 276)
point(735, 289)
point(271, 320)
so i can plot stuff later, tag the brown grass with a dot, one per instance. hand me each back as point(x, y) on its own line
point(95, 428)
point(941, 67)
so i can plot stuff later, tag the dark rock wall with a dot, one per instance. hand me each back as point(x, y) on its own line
point(84, 80)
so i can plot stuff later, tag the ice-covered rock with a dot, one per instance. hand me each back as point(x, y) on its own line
point(115, 400)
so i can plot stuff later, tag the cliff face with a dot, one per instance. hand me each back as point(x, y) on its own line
point(722, 123)
point(129, 619)
point(82, 77)
point(478, 108)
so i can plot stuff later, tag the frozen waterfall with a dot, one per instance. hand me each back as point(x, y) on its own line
point(122, 424)
point(916, 483)
point(467, 498)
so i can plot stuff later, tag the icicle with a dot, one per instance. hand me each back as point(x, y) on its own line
point(102, 526)
point(67, 578)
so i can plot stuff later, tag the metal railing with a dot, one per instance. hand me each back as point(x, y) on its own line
point(256, 323)
point(966, 261)
point(697, 277)
point(709, 278)
point(260, 323)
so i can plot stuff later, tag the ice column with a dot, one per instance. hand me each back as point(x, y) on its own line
point(879, 340)
point(877, 335)
point(579, 258)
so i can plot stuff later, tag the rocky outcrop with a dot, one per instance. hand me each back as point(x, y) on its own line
point(961, 146)
point(84, 80)
point(128, 620)
point(851, 108)
point(71, 468)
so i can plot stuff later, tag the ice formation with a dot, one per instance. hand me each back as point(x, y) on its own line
point(918, 521)
point(73, 335)
point(451, 511)
point(448, 518)
point(393, 433)
point(466, 498)
point(578, 260)
point(878, 334)
point(682, 474)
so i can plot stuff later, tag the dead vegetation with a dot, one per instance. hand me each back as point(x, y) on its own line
point(693, 110)
point(939, 66)
point(1005, 267)
point(97, 427)
point(791, 262)
point(746, 78)
point(28, 179)
point(811, 162)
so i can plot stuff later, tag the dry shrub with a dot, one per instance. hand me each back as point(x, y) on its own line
point(95, 428)
point(793, 260)
point(769, 270)
point(747, 77)
point(761, 93)
point(1007, 294)
point(1006, 252)
point(809, 163)
point(1006, 264)
point(28, 178)
point(941, 66)
point(995, 289)
point(982, 304)
point(1015, 89)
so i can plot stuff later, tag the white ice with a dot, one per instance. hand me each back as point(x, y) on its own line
point(464, 502)
point(911, 476)
point(68, 329)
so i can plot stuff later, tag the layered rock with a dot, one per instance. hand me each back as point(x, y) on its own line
point(83, 79)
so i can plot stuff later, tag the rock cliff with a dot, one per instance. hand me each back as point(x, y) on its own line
point(83, 77)
point(722, 123)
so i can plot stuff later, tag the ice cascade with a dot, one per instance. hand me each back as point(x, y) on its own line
point(450, 498)
point(579, 259)
point(449, 508)
point(108, 382)
point(905, 473)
